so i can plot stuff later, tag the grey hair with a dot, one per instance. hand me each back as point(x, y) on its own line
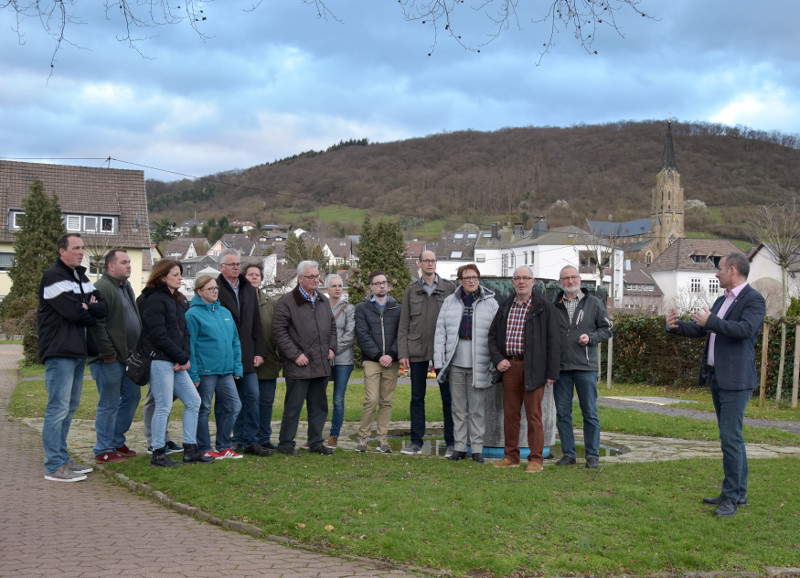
point(738, 261)
point(333, 277)
point(564, 268)
point(303, 264)
point(227, 252)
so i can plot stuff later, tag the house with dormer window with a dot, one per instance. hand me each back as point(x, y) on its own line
point(108, 207)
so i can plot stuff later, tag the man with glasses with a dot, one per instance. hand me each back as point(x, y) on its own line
point(421, 305)
point(240, 298)
point(524, 347)
point(377, 320)
point(584, 323)
point(305, 332)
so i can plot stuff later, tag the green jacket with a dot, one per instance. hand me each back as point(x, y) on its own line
point(109, 332)
point(271, 367)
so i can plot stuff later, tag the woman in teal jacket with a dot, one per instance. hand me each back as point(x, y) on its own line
point(216, 361)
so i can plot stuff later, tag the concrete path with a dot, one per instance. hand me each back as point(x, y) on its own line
point(94, 528)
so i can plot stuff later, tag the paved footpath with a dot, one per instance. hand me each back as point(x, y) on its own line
point(94, 528)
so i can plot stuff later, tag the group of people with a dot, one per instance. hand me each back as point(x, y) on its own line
point(229, 344)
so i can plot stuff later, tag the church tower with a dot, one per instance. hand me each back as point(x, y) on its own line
point(666, 215)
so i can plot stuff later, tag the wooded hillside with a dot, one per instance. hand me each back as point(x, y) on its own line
point(601, 172)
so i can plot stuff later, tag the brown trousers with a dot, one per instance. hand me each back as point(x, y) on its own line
point(514, 396)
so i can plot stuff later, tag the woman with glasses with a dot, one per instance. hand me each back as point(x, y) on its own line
point(461, 355)
point(216, 362)
point(166, 336)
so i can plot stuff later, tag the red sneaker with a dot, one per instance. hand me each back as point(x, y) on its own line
point(108, 458)
point(125, 451)
point(228, 454)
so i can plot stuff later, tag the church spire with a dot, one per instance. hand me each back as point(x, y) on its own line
point(669, 150)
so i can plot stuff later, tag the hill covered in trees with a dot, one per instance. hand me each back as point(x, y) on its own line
point(568, 174)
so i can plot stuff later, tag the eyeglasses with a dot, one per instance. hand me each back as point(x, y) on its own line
point(522, 278)
point(571, 278)
point(232, 265)
point(210, 289)
point(470, 278)
point(379, 283)
point(427, 260)
point(310, 277)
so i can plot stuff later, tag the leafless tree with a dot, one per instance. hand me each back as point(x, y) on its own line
point(450, 18)
point(778, 228)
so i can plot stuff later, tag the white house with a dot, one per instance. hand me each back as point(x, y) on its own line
point(765, 275)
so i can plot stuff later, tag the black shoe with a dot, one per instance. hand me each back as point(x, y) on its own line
point(288, 450)
point(269, 446)
point(161, 460)
point(478, 457)
point(566, 461)
point(192, 455)
point(457, 455)
point(321, 449)
point(257, 450)
point(726, 508)
point(718, 500)
point(172, 448)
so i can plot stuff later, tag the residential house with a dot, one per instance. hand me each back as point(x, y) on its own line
point(641, 293)
point(185, 247)
point(108, 207)
point(686, 273)
point(238, 241)
point(455, 248)
point(766, 275)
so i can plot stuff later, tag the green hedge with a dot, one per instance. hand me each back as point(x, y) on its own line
point(645, 353)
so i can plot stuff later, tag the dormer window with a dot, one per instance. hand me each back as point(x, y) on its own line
point(91, 223)
point(15, 219)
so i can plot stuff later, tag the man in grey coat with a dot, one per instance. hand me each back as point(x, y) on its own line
point(584, 323)
point(305, 333)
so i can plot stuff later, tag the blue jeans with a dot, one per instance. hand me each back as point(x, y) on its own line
point(729, 406)
point(245, 430)
point(164, 382)
point(313, 393)
point(116, 405)
point(419, 385)
point(226, 408)
point(585, 383)
point(266, 399)
point(63, 378)
point(341, 375)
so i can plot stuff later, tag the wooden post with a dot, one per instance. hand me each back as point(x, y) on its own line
point(610, 364)
point(796, 370)
point(764, 347)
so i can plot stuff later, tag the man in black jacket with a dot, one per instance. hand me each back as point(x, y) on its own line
point(68, 305)
point(524, 347)
point(377, 324)
point(241, 299)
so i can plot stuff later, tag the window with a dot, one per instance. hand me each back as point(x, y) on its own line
point(107, 224)
point(480, 258)
point(15, 219)
point(455, 254)
point(694, 285)
point(6, 261)
point(95, 265)
point(458, 236)
point(90, 224)
point(713, 285)
point(73, 222)
point(699, 259)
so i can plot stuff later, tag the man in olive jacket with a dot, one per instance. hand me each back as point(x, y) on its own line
point(238, 296)
point(421, 305)
point(305, 333)
point(117, 336)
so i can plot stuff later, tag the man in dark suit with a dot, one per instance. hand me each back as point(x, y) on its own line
point(729, 367)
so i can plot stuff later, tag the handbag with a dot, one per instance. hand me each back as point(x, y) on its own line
point(137, 366)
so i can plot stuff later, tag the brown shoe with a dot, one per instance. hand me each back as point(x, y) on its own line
point(534, 467)
point(304, 446)
point(505, 463)
point(333, 442)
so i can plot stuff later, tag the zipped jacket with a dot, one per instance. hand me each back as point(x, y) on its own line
point(345, 315)
point(109, 332)
point(376, 332)
point(214, 340)
point(62, 320)
point(164, 330)
point(247, 316)
point(591, 318)
point(418, 321)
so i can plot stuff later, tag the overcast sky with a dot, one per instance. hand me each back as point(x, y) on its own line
point(273, 82)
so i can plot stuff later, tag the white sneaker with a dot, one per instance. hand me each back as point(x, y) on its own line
point(80, 468)
point(65, 474)
point(384, 448)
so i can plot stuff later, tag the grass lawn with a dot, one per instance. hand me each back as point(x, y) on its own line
point(472, 519)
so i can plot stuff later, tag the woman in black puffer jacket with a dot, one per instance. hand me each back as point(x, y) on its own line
point(164, 333)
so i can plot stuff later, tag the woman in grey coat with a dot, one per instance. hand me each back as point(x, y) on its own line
point(345, 315)
point(461, 354)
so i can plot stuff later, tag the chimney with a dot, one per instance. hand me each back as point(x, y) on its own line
point(495, 235)
point(539, 226)
point(519, 231)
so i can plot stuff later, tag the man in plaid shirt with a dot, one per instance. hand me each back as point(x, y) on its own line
point(524, 346)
